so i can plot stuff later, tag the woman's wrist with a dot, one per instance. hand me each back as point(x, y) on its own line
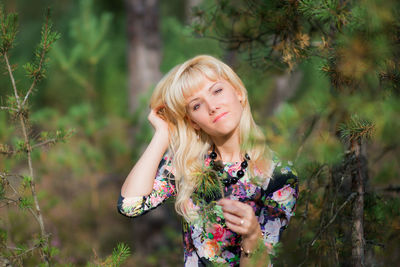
point(162, 139)
point(250, 242)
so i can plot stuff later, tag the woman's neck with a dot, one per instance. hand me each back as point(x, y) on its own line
point(228, 148)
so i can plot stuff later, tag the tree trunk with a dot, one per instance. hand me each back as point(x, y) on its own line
point(144, 71)
point(144, 48)
point(358, 177)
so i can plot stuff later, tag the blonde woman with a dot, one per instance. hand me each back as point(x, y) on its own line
point(235, 197)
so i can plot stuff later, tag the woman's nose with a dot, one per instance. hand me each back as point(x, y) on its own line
point(212, 108)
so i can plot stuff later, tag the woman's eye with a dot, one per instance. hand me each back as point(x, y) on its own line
point(195, 107)
point(218, 91)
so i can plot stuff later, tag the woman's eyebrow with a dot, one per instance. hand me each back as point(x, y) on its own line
point(209, 89)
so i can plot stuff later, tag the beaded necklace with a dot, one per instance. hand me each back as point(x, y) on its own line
point(230, 179)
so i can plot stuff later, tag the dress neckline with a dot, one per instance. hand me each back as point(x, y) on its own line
point(226, 163)
point(231, 163)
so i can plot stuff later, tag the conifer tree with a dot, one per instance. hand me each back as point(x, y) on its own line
point(20, 189)
point(18, 109)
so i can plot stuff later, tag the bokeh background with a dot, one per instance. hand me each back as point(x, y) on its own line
point(323, 79)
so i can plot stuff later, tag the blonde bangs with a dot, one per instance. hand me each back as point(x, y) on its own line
point(187, 81)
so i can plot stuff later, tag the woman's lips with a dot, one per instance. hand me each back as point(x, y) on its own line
point(219, 116)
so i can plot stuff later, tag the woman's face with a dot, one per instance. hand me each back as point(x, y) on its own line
point(215, 108)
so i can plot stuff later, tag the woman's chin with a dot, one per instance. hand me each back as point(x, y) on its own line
point(227, 132)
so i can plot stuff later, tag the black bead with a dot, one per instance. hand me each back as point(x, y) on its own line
point(244, 164)
point(219, 166)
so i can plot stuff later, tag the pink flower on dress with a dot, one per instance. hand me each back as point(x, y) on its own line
point(284, 195)
point(217, 231)
point(132, 201)
point(162, 187)
point(210, 248)
point(155, 199)
point(158, 185)
point(232, 170)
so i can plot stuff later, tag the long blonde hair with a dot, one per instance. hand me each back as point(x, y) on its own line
point(188, 146)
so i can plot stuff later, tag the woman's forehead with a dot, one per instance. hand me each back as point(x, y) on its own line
point(206, 85)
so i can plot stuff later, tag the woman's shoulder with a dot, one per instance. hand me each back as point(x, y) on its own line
point(282, 166)
point(278, 174)
point(282, 174)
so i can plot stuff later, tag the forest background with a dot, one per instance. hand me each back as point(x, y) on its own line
point(323, 79)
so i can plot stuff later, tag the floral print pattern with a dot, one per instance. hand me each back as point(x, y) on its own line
point(273, 202)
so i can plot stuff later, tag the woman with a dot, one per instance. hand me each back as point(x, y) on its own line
point(234, 195)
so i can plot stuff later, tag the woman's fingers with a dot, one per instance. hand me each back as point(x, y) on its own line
point(239, 217)
point(159, 109)
point(231, 218)
point(157, 120)
point(235, 207)
point(235, 228)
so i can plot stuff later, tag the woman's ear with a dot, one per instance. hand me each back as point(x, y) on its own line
point(239, 96)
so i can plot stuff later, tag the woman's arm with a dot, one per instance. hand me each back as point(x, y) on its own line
point(163, 188)
point(148, 184)
point(279, 201)
point(141, 178)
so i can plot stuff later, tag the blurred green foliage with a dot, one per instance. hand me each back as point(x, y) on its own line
point(353, 71)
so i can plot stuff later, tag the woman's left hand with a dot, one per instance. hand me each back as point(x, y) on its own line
point(240, 218)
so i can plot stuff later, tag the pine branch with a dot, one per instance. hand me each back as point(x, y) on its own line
point(37, 72)
point(8, 33)
point(6, 150)
point(384, 151)
point(307, 134)
point(47, 142)
point(8, 201)
point(356, 128)
point(349, 198)
point(59, 136)
point(9, 108)
point(120, 254)
point(19, 196)
point(389, 188)
point(14, 86)
point(25, 251)
point(323, 228)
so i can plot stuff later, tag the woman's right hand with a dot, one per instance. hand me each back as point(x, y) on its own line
point(159, 124)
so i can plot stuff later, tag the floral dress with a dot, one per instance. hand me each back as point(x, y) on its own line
point(209, 241)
